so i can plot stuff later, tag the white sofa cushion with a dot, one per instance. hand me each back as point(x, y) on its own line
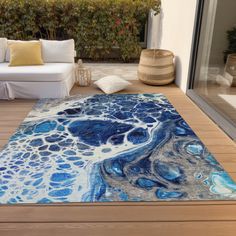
point(7, 59)
point(58, 51)
point(3, 48)
point(112, 84)
point(50, 72)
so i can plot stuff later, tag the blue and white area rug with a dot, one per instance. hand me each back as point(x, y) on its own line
point(104, 148)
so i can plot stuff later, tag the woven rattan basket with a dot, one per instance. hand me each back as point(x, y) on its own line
point(156, 67)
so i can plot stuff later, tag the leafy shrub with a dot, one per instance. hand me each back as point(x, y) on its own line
point(231, 35)
point(96, 25)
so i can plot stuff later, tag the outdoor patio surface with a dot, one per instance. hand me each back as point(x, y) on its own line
point(131, 219)
point(127, 71)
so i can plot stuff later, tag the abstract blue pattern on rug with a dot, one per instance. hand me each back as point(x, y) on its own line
point(108, 148)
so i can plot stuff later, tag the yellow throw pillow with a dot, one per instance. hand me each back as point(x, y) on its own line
point(25, 53)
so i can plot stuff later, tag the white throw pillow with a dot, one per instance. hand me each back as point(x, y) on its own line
point(3, 48)
point(58, 51)
point(7, 59)
point(112, 84)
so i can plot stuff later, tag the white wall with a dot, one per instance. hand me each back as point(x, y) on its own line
point(175, 33)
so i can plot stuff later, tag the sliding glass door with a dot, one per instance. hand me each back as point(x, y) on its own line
point(213, 75)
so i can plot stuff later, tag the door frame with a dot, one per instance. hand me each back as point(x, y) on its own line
point(202, 7)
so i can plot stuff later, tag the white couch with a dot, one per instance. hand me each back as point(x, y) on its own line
point(51, 80)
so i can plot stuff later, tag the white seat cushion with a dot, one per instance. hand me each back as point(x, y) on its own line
point(49, 72)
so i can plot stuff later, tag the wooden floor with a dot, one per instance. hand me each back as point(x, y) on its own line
point(216, 218)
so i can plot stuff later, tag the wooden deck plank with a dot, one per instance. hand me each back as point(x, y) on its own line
point(223, 228)
point(111, 213)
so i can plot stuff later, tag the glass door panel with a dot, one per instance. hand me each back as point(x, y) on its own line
point(214, 78)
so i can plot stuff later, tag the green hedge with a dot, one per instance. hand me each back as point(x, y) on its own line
point(97, 26)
